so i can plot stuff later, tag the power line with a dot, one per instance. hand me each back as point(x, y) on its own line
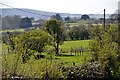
point(23, 10)
point(98, 13)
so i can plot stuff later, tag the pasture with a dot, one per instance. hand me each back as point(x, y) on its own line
point(67, 45)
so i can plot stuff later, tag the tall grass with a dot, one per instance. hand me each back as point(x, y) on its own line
point(12, 66)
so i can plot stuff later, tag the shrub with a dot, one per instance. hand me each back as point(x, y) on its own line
point(33, 69)
point(91, 70)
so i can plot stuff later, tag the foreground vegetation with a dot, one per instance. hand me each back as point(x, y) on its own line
point(43, 54)
point(12, 63)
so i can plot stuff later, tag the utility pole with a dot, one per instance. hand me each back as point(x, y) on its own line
point(104, 21)
point(119, 28)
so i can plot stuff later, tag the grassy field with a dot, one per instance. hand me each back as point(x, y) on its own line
point(14, 30)
point(67, 45)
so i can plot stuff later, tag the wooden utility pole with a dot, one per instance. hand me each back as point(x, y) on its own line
point(104, 21)
point(119, 28)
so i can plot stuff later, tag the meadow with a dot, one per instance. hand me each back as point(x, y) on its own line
point(67, 45)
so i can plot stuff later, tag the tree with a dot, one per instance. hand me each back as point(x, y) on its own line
point(11, 22)
point(67, 19)
point(26, 22)
point(85, 17)
point(54, 28)
point(78, 32)
point(34, 40)
point(105, 48)
point(57, 17)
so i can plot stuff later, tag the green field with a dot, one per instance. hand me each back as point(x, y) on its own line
point(14, 30)
point(67, 45)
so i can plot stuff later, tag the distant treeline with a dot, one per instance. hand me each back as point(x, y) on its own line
point(16, 21)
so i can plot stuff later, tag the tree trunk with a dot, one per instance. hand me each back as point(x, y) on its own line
point(57, 48)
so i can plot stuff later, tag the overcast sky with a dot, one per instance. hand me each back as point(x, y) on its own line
point(66, 6)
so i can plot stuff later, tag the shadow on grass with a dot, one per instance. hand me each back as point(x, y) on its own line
point(65, 55)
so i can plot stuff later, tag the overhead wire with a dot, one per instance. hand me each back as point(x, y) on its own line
point(23, 10)
point(98, 13)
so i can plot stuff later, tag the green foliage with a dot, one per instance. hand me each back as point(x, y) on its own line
point(34, 40)
point(67, 19)
point(25, 22)
point(42, 68)
point(85, 17)
point(8, 39)
point(105, 48)
point(54, 28)
point(78, 33)
point(34, 69)
point(11, 22)
point(57, 17)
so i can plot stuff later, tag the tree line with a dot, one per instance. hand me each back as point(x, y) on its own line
point(16, 22)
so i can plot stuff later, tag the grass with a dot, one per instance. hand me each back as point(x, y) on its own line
point(14, 30)
point(78, 60)
point(66, 58)
point(67, 45)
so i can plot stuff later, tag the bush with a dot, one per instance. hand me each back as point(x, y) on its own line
point(33, 69)
point(105, 48)
point(89, 71)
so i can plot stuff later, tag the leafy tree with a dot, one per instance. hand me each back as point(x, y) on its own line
point(85, 17)
point(105, 48)
point(67, 19)
point(34, 40)
point(11, 22)
point(78, 32)
point(57, 17)
point(26, 22)
point(54, 28)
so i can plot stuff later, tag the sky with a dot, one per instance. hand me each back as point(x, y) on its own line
point(66, 6)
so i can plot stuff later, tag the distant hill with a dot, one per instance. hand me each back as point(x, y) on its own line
point(37, 14)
